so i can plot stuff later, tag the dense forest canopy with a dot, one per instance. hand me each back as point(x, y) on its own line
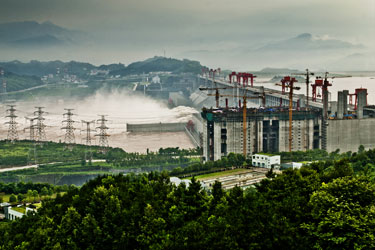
point(327, 205)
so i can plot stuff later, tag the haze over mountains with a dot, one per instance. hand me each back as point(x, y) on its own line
point(30, 40)
point(31, 34)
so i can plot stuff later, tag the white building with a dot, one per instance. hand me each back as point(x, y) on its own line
point(12, 214)
point(266, 160)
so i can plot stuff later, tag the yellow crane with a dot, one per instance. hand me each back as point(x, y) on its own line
point(288, 83)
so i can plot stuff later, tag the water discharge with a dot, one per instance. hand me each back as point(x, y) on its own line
point(120, 108)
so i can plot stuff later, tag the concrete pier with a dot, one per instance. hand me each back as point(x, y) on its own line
point(340, 105)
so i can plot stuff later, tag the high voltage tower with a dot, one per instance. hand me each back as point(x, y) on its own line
point(69, 134)
point(40, 133)
point(12, 131)
point(31, 128)
point(88, 138)
point(103, 135)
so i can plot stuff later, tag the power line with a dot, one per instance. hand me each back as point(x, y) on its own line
point(103, 135)
point(12, 130)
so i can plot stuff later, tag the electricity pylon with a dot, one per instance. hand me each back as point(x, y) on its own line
point(31, 128)
point(40, 134)
point(103, 135)
point(88, 138)
point(12, 130)
point(69, 134)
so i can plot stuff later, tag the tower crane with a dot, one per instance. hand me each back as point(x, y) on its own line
point(287, 83)
point(217, 94)
point(307, 75)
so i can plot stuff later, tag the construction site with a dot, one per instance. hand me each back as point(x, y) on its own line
point(282, 120)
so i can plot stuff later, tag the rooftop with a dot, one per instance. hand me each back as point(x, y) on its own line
point(266, 154)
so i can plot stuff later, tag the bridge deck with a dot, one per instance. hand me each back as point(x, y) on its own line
point(268, 92)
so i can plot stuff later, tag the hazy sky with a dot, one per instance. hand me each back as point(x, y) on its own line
point(179, 26)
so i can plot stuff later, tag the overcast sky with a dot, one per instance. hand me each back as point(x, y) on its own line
point(177, 25)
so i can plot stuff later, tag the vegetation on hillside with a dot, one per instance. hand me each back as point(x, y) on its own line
point(157, 64)
point(327, 205)
point(16, 82)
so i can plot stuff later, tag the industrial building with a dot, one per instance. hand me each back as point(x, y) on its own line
point(266, 160)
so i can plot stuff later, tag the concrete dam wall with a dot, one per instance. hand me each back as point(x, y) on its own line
point(156, 127)
point(348, 135)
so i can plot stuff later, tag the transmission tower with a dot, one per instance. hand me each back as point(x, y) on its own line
point(103, 135)
point(88, 138)
point(40, 133)
point(12, 131)
point(69, 134)
point(31, 128)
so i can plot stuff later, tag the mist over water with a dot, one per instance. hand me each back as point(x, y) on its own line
point(120, 108)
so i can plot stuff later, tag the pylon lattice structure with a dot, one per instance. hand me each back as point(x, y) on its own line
point(103, 135)
point(12, 130)
point(31, 128)
point(88, 138)
point(69, 134)
point(39, 127)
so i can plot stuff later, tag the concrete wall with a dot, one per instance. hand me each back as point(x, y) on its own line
point(156, 127)
point(348, 135)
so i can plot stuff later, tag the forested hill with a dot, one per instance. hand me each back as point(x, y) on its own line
point(155, 64)
point(16, 82)
point(327, 205)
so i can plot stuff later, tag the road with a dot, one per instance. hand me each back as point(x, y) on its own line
point(17, 168)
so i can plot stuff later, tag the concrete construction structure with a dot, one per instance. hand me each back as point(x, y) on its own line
point(267, 131)
point(265, 160)
point(156, 127)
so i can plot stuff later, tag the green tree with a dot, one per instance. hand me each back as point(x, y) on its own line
point(44, 191)
point(343, 215)
point(12, 198)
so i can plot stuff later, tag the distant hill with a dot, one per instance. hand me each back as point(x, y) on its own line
point(112, 67)
point(157, 64)
point(16, 82)
point(306, 41)
point(33, 34)
point(37, 68)
point(279, 71)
